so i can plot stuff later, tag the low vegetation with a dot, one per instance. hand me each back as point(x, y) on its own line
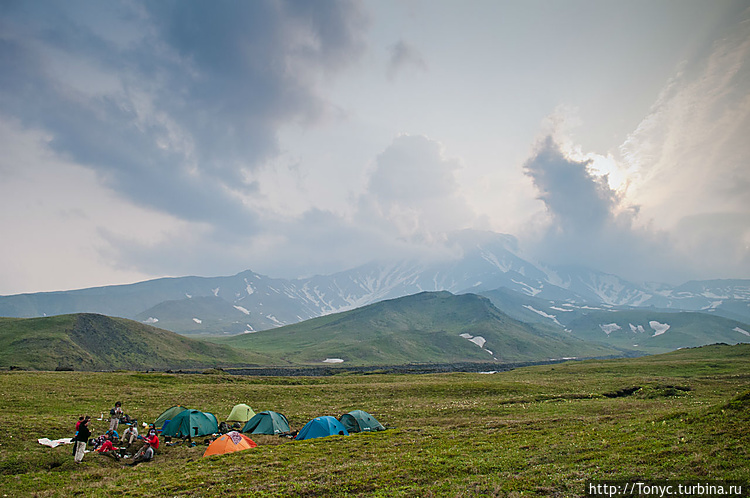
point(87, 341)
point(536, 431)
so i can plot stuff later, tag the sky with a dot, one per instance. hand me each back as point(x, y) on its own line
point(144, 139)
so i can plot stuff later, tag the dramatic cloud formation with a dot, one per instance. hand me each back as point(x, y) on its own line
point(142, 139)
point(588, 223)
point(688, 160)
point(172, 115)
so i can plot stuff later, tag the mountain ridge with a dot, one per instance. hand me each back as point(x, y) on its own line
point(428, 327)
point(488, 262)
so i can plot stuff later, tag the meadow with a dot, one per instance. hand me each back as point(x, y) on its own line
point(534, 431)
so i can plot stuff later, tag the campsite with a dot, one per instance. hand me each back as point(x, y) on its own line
point(535, 431)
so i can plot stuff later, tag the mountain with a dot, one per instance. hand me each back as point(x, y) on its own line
point(429, 327)
point(648, 330)
point(657, 332)
point(483, 262)
point(97, 342)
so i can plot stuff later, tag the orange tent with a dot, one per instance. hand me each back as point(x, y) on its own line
point(229, 442)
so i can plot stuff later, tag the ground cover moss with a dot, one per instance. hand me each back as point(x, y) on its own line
point(537, 431)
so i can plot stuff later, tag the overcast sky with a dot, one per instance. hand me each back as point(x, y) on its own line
point(142, 139)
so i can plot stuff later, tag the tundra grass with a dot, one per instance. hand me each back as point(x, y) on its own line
point(537, 431)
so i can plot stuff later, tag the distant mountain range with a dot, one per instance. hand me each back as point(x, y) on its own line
point(490, 263)
point(424, 328)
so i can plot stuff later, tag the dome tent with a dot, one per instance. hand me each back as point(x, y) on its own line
point(360, 421)
point(168, 414)
point(267, 422)
point(228, 443)
point(240, 413)
point(322, 427)
point(191, 423)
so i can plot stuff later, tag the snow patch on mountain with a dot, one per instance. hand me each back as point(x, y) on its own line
point(492, 258)
point(542, 313)
point(637, 329)
point(531, 291)
point(150, 320)
point(240, 308)
point(659, 328)
point(197, 320)
point(608, 328)
point(479, 341)
point(741, 331)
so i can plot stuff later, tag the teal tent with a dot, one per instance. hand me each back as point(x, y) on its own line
point(322, 427)
point(267, 422)
point(360, 421)
point(168, 414)
point(191, 423)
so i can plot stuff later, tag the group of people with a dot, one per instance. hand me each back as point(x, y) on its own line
point(105, 444)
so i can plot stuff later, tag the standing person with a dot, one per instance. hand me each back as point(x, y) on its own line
point(81, 439)
point(114, 416)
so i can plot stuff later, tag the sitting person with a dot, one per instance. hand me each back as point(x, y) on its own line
point(129, 435)
point(145, 454)
point(107, 448)
point(153, 439)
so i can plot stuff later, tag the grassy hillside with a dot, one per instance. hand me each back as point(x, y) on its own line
point(97, 342)
point(657, 332)
point(537, 431)
point(431, 327)
point(202, 315)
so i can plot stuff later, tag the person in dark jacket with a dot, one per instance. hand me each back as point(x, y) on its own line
point(81, 439)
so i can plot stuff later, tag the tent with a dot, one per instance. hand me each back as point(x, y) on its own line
point(360, 421)
point(228, 443)
point(322, 427)
point(191, 423)
point(168, 414)
point(240, 413)
point(267, 422)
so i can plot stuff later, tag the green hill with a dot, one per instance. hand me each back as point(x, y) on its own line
point(430, 327)
point(207, 315)
point(657, 332)
point(96, 342)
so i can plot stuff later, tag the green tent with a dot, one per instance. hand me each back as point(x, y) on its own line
point(360, 421)
point(267, 422)
point(240, 413)
point(191, 423)
point(168, 414)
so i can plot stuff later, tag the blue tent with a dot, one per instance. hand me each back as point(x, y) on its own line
point(322, 427)
point(191, 423)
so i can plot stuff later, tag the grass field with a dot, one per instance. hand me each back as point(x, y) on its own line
point(536, 431)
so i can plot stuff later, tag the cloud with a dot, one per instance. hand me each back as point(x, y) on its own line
point(413, 190)
point(589, 225)
point(579, 202)
point(688, 159)
point(403, 55)
point(174, 108)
